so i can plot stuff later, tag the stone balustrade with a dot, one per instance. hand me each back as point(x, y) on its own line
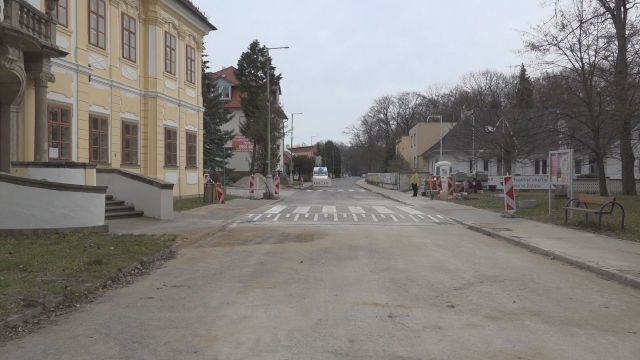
point(19, 14)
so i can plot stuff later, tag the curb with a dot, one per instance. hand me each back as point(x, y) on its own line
point(385, 195)
point(580, 264)
point(599, 270)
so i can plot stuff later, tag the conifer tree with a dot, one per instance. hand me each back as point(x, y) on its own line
point(524, 92)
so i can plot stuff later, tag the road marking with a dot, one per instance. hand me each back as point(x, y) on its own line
point(301, 210)
point(414, 219)
point(325, 215)
point(440, 216)
point(330, 190)
point(394, 218)
point(432, 218)
point(374, 217)
point(308, 190)
point(401, 216)
point(276, 218)
point(335, 217)
point(356, 210)
point(296, 218)
point(344, 215)
point(320, 190)
point(306, 215)
point(364, 216)
point(269, 215)
point(250, 215)
point(257, 217)
point(351, 190)
point(315, 218)
point(340, 190)
point(382, 210)
point(355, 217)
point(288, 215)
point(409, 210)
point(328, 209)
point(421, 217)
point(275, 209)
point(382, 216)
point(362, 190)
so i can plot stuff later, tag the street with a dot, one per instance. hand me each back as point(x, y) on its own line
point(344, 273)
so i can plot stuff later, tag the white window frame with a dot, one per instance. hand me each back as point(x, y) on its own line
point(222, 92)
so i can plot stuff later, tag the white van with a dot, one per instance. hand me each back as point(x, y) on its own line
point(321, 177)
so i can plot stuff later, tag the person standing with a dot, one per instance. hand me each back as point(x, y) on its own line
point(414, 183)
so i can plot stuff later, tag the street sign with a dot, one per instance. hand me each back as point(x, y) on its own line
point(509, 195)
point(276, 186)
point(561, 166)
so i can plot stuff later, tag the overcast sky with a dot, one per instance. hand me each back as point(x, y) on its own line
point(345, 53)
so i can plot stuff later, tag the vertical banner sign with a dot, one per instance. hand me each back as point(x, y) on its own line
point(219, 193)
point(509, 195)
point(561, 166)
point(439, 183)
point(276, 186)
point(450, 185)
point(252, 184)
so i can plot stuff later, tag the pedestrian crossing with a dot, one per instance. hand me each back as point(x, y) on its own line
point(345, 213)
point(335, 190)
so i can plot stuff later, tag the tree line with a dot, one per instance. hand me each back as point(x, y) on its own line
point(580, 89)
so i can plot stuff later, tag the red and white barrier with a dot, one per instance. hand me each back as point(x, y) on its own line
point(509, 195)
point(207, 180)
point(450, 185)
point(439, 182)
point(219, 194)
point(276, 186)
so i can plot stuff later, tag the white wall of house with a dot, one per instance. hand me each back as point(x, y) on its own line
point(66, 176)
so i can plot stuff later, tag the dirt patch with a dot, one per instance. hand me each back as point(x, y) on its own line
point(244, 182)
point(246, 236)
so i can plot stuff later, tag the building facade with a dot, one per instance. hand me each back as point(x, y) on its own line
point(126, 96)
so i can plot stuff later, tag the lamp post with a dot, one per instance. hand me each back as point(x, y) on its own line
point(313, 156)
point(290, 164)
point(269, 177)
point(438, 116)
point(333, 163)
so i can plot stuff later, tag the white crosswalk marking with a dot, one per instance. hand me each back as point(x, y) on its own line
point(340, 190)
point(401, 216)
point(330, 190)
point(414, 219)
point(394, 218)
point(309, 190)
point(344, 215)
point(296, 218)
point(421, 217)
point(410, 210)
point(351, 190)
point(257, 217)
point(306, 215)
point(250, 215)
point(288, 215)
point(276, 218)
point(382, 210)
point(363, 190)
point(302, 210)
point(356, 210)
point(315, 218)
point(434, 219)
point(328, 209)
point(269, 215)
point(335, 217)
point(440, 216)
point(326, 215)
point(364, 216)
point(275, 209)
point(382, 216)
point(320, 190)
point(355, 217)
point(374, 217)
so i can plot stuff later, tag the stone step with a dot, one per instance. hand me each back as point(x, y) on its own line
point(119, 208)
point(108, 197)
point(109, 203)
point(123, 215)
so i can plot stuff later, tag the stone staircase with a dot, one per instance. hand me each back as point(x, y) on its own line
point(116, 209)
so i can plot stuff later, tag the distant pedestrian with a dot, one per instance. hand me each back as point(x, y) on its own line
point(301, 181)
point(414, 182)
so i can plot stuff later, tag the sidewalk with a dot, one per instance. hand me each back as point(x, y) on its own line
point(615, 259)
point(191, 225)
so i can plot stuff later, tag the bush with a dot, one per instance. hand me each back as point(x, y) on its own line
point(588, 176)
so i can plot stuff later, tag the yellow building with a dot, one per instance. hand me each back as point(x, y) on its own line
point(126, 96)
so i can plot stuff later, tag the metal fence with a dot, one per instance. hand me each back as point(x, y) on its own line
point(384, 180)
point(591, 186)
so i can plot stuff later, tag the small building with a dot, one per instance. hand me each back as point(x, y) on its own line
point(422, 137)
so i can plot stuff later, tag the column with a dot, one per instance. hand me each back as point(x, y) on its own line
point(41, 137)
point(10, 132)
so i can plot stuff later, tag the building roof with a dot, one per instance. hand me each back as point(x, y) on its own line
point(228, 74)
point(197, 12)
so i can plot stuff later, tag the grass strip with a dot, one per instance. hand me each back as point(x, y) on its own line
point(35, 269)
point(193, 203)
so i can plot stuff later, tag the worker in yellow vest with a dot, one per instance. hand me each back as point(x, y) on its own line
point(414, 182)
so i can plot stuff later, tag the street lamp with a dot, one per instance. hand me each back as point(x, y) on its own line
point(290, 164)
point(333, 163)
point(269, 177)
point(438, 116)
point(312, 153)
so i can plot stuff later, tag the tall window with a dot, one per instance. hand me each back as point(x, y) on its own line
point(170, 53)
point(128, 37)
point(59, 132)
point(226, 92)
point(97, 23)
point(61, 13)
point(99, 139)
point(192, 149)
point(129, 143)
point(191, 64)
point(486, 165)
point(541, 167)
point(170, 147)
point(578, 167)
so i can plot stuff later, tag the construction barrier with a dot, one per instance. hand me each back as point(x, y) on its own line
point(439, 182)
point(450, 185)
point(219, 193)
point(276, 186)
point(509, 195)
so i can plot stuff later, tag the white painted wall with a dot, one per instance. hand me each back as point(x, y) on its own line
point(155, 202)
point(60, 175)
point(26, 207)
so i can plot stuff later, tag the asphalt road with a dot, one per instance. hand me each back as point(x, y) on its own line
point(346, 289)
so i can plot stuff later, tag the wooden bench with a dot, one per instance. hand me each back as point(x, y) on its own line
point(606, 207)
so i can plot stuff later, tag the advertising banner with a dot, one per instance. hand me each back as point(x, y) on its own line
point(560, 167)
point(242, 143)
point(523, 182)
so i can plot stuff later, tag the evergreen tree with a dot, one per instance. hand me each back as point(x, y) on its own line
point(524, 92)
point(215, 115)
point(252, 75)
